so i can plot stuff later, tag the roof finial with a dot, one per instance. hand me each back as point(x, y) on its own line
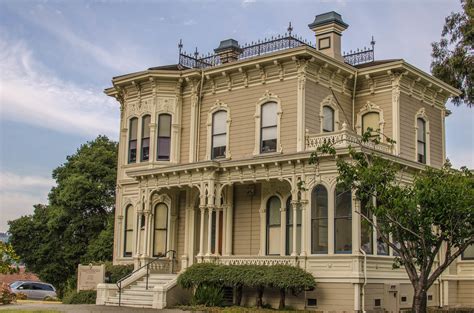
point(196, 53)
point(372, 42)
point(180, 45)
point(289, 29)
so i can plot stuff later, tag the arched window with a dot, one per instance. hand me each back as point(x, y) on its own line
point(289, 228)
point(132, 140)
point(273, 225)
point(164, 137)
point(371, 120)
point(128, 232)
point(268, 131)
point(343, 220)
point(145, 155)
point(160, 229)
point(328, 119)
point(366, 229)
point(219, 134)
point(421, 140)
point(319, 220)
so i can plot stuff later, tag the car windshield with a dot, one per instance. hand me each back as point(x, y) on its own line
point(15, 284)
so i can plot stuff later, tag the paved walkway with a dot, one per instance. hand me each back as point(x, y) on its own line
point(79, 308)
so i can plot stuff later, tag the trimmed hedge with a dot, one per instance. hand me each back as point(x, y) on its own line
point(283, 277)
point(81, 297)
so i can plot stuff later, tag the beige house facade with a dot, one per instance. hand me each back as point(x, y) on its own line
point(211, 158)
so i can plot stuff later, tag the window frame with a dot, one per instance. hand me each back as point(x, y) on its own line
point(368, 108)
point(165, 229)
point(144, 138)
point(268, 226)
point(333, 117)
point(275, 126)
point(345, 217)
point(130, 140)
point(418, 141)
point(126, 235)
point(267, 97)
point(376, 132)
point(313, 218)
point(213, 135)
point(163, 137)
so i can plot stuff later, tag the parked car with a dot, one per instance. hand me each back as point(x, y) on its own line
point(34, 289)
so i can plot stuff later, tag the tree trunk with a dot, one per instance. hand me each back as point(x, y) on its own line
point(419, 301)
point(238, 295)
point(282, 299)
point(259, 302)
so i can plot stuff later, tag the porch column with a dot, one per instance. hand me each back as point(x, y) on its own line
point(356, 233)
point(304, 222)
point(201, 231)
point(228, 220)
point(283, 229)
point(138, 237)
point(209, 230)
point(152, 152)
point(148, 252)
point(263, 235)
point(217, 240)
point(294, 206)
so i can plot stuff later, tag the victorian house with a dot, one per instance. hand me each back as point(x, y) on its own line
point(213, 150)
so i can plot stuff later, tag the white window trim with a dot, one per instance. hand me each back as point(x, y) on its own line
point(123, 218)
point(218, 106)
point(267, 97)
point(264, 222)
point(329, 102)
point(156, 199)
point(422, 115)
point(368, 108)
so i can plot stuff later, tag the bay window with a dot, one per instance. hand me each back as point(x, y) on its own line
point(268, 127)
point(343, 220)
point(164, 137)
point(273, 225)
point(319, 220)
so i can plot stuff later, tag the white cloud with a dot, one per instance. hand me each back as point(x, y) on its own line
point(31, 93)
point(189, 22)
point(19, 193)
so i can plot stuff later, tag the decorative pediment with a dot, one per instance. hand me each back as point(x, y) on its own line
point(268, 96)
point(166, 105)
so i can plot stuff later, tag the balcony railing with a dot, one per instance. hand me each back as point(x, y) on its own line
point(257, 260)
point(343, 139)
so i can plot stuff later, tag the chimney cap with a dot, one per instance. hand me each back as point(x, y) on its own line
point(228, 44)
point(328, 18)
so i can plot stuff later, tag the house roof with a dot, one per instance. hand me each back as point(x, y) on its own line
point(375, 63)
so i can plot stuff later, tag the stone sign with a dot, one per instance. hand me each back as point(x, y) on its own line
point(88, 276)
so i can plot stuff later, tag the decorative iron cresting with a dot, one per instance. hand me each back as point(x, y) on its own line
point(268, 45)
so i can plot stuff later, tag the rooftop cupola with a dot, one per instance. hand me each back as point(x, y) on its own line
point(328, 28)
point(228, 50)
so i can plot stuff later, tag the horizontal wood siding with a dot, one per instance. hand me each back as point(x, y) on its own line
point(409, 106)
point(185, 129)
point(242, 104)
point(372, 292)
point(336, 297)
point(465, 291)
point(246, 230)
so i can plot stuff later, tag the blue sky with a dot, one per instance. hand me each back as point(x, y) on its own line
point(56, 57)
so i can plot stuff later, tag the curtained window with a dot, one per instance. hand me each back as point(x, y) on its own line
point(160, 229)
point(219, 134)
point(319, 220)
point(268, 132)
point(145, 155)
point(128, 232)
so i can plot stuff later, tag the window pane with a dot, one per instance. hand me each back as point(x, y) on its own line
point(164, 125)
point(269, 133)
point(269, 145)
point(468, 253)
point(370, 120)
point(161, 216)
point(274, 206)
point(145, 149)
point(319, 221)
point(146, 126)
point(164, 148)
point(274, 240)
point(132, 153)
point(319, 236)
point(421, 130)
point(382, 247)
point(342, 221)
point(219, 140)
point(128, 242)
point(218, 152)
point(219, 122)
point(328, 119)
point(366, 232)
point(269, 114)
point(159, 243)
point(133, 128)
point(129, 218)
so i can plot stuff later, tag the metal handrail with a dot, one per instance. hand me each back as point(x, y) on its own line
point(119, 282)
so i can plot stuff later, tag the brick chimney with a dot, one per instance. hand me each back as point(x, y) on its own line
point(228, 50)
point(328, 28)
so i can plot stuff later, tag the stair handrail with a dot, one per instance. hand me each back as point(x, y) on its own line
point(147, 265)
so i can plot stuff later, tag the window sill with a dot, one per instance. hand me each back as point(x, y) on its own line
point(269, 154)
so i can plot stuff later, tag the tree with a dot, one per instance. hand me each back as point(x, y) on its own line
point(58, 236)
point(429, 220)
point(453, 55)
point(8, 259)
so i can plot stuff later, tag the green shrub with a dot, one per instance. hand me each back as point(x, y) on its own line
point(114, 272)
point(81, 297)
point(6, 294)
point(208, 296)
